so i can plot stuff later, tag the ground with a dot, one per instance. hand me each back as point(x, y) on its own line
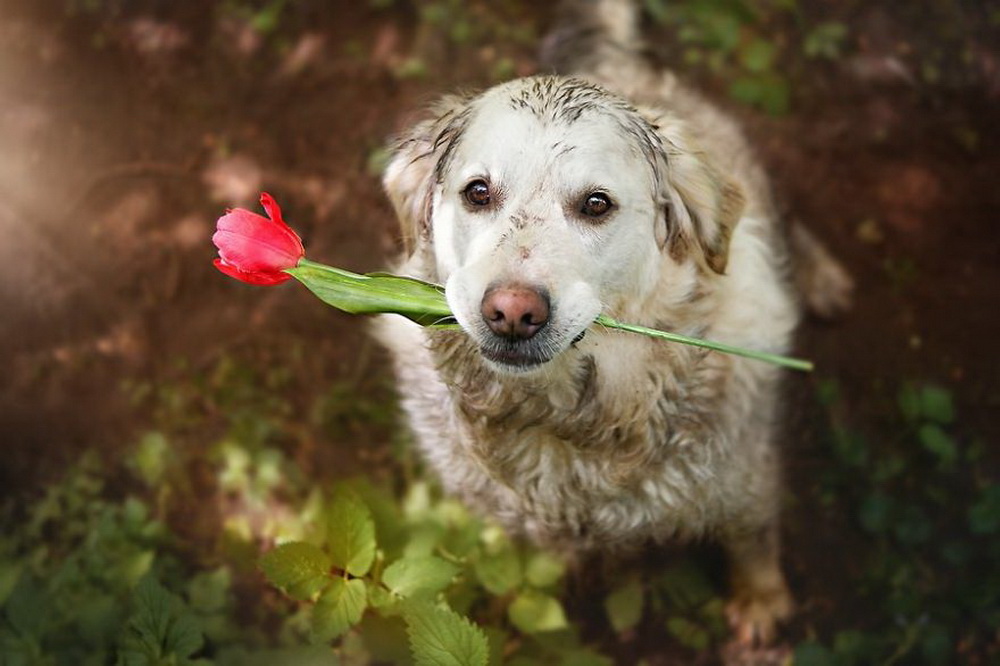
point(126, 128)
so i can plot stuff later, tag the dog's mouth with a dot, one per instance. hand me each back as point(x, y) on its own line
point(522, 355)
point(514, 356)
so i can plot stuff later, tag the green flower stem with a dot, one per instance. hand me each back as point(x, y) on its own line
point(784, 361)
point(426, 304)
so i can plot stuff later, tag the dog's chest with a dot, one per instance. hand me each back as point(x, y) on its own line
point(580, 465)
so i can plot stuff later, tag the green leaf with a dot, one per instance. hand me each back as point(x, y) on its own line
point(936, 405)
point(984, 515)
point(534, 612)
point(909, 402)
point(385, 638)
point(300, 569)
point(160, 627)
point(499, 572)
point(10, 572)
point(825, 40)
point(768, 91)
point(209, 591)
point(940, 443)
point(151, 457)
point(688, 633)
point(813, 654)
point(350, 533)
point(497, 639)
point(373, 293)
point(855, 647)
point(544, 569)
point(442, 637)
point(338, 608)
point(624, 606)
point(686, 585)
point(413, 577)
point(28, 607)
point(757, 55)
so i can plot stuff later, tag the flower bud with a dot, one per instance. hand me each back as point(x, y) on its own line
point(255, 249)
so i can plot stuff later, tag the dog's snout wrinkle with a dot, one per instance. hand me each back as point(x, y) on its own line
point(515, 312)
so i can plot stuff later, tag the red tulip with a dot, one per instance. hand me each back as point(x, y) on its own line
point(255, 249)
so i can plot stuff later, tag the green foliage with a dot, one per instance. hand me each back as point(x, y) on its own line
point(534, 612)
point(458, 30)
point(691, 604)
point(300, 569)
point(78, 583)
point(160, 630)
point(419, 576)
point(984, 514)
point(746, 44)
point(825, 40)
point(339, 607)
point(350, 533)
point(441, 637)
point(93, 574)
point(929, 519)
point(624, 605)
point(264, 16)
point(421, 569)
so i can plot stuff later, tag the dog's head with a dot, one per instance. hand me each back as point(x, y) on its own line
point(544, 201)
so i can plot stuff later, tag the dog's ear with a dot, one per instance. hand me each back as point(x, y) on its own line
point(703, 206)
point(415, 167)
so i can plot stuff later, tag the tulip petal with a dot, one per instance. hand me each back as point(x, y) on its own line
point(274, 212)
point(272, 208)
point(254, 248)
point(252, 252)
point(257, 278)
point(254, 225)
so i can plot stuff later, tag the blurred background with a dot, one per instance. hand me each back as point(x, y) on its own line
point(158, 417)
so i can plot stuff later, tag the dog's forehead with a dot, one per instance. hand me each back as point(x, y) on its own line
point(550, 105)
point(536, 122)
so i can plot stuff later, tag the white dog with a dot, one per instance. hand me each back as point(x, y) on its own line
point(543, 202)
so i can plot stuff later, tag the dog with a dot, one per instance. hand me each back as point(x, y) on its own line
point(545, 201)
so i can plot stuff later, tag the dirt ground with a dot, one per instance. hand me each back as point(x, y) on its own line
point(126, 128)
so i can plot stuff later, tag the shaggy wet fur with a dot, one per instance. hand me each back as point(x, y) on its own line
point(615, 439)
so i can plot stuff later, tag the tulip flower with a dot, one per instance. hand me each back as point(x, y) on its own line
point(263, 251)
point(254, 248)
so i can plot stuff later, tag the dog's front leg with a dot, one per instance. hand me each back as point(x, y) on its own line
point(760, 597)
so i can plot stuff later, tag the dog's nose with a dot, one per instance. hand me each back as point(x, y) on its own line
point(515, 312)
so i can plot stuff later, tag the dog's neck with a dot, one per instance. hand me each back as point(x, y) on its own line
point(585, 403)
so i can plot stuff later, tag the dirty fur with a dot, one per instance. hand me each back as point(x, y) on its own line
point(613, 440)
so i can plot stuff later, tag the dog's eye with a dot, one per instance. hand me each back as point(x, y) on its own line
point(477, 193)
point(596, 204)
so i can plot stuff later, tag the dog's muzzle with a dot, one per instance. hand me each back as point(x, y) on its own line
point(515, 314)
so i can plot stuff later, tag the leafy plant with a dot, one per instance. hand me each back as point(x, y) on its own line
point(931, 577)
point(746, 44)
point(420, 570)
point(825, 40)
point(70, 575)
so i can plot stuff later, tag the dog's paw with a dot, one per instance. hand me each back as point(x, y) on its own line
point(754, 618)
point(828, 288)
point(825, 284)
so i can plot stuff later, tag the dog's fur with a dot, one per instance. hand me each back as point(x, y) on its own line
point(614, 439)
